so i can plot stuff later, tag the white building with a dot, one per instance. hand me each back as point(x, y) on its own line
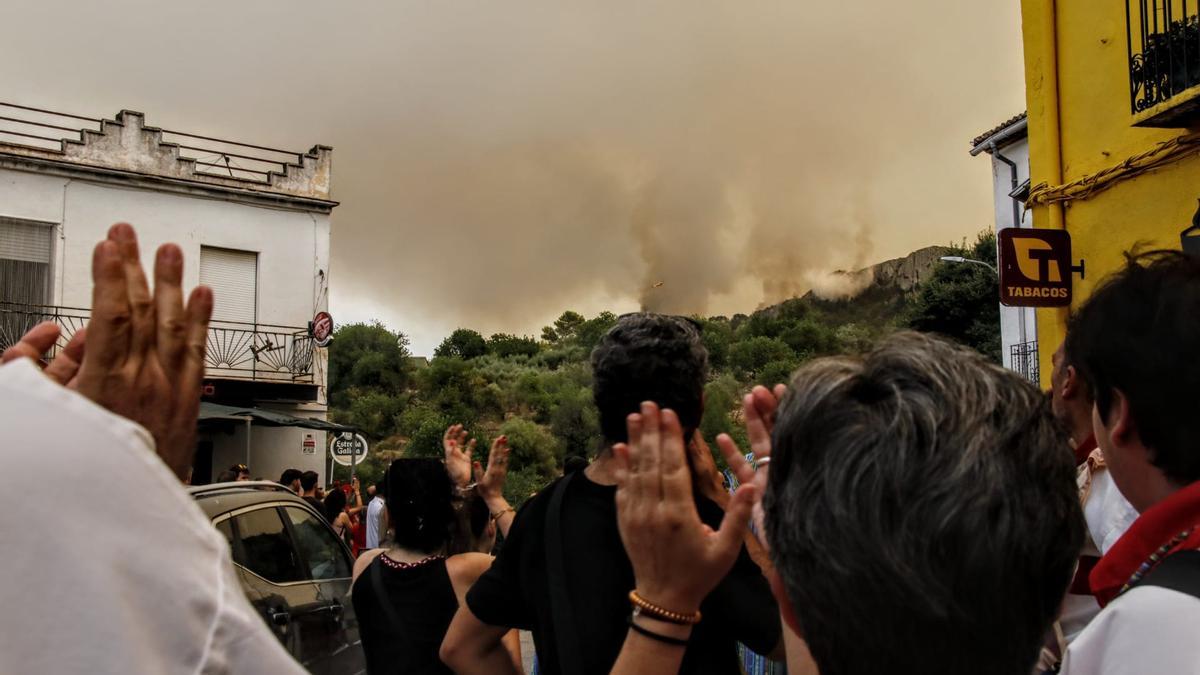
point(1008, 146)
point(253, 223)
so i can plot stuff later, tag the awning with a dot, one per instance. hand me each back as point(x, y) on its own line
point(266, 418)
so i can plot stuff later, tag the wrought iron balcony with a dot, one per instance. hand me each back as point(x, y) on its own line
point(1163, 39)
point(239, 351)
point(1023, 358)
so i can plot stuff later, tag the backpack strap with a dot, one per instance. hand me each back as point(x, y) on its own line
point(565, 630)
point(1177, 572)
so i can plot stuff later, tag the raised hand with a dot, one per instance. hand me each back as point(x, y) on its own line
point(458, 452)
point(677, 559)
point(758, 408)
point(39, 340)
point(144, 356)
point(490, 482)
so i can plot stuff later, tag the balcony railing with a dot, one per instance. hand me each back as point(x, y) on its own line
point(46, 130)
point(235, 350)
point(1023, 358)
point(1163, 39)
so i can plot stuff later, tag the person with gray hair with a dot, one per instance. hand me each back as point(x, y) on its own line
point(921, 513)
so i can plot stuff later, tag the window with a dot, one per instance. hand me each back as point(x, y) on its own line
point(266, 547)
point(318, 546)
point(233, 278)
point(225, 527)
point(25, 262)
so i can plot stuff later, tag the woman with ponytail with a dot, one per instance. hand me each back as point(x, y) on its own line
point(406, 595)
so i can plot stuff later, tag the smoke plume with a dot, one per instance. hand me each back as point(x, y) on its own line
point(498, 163)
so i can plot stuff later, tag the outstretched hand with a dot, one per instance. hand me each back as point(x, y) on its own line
point(145, 353)
point(759, 408)
point(39, 340)
point(677, 559)
point(490, 482)
point(458, 450)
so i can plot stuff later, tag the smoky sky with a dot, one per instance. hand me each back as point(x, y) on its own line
point(498, 163)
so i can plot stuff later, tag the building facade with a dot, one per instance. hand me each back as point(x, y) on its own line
point(253, 222)
point(1112, 89)
point(1007, 145)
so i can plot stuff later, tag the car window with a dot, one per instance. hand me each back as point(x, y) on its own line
point(266, 547)
point(225, 527)
point(319, 547)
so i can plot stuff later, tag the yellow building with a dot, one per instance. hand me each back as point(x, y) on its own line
point(1112, 88)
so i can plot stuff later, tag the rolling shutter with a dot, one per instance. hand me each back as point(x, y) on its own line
point(25, 250)
point(233, 278)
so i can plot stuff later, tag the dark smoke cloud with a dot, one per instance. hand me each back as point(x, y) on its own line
point(501, 162)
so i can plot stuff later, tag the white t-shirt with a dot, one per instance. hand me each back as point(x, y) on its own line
point(374, 521)
point(121, 572)
point(1107, 512)
point(1108, 515)
point(1146, 630)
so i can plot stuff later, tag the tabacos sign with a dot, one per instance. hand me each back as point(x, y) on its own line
point(1035, 267)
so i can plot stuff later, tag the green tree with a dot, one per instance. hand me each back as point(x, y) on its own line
point(575, 421)
point(718, 336)
point(375, 413)
point(747, 357)
point(424, 426)
point(961, 301)
point(564, 328)
point(533, 446)
point(463, 343)
point(505, 345)
point(367, 357)
point(588, 334)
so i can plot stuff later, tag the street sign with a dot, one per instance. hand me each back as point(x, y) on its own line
point(348, 448)
point(1035, 267)
point(310, 445)
point(321, 329)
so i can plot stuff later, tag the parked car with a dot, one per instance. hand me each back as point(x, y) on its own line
point(293, 568)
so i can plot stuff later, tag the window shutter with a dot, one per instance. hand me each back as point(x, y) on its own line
point(27, 242)
point(233, 278)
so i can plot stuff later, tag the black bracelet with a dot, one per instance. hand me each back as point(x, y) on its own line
point(657, 637)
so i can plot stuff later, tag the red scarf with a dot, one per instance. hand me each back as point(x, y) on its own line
point(1153, 528)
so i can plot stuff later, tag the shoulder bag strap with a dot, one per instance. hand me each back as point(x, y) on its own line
point(1178, 572)
point(565, 632)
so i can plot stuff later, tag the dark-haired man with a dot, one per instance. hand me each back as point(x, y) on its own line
point(290, 479)
point(563, 572)
point(308, 490)
point(921, 511)
point(1134, 344)
point(1105, 510)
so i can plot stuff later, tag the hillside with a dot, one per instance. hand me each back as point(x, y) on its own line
point(538, 391)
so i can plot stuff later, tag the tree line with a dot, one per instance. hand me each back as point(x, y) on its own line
point(537, 391)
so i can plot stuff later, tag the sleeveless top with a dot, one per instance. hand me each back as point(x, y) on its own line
point(405, 639)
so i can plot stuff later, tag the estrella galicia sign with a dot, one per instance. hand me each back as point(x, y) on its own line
point(1035, 267)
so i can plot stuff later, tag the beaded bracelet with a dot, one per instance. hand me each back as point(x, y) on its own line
point(643, 606)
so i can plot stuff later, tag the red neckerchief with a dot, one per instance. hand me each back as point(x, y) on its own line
point(1084, 449)
point(1153, 528)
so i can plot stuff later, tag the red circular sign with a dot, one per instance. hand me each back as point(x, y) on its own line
point(322, 328)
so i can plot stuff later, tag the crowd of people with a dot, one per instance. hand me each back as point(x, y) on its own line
point(913, 509)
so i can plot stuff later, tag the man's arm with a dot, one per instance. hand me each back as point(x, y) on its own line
point(474, 647)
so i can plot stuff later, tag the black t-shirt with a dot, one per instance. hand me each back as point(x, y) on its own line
point(514, 591)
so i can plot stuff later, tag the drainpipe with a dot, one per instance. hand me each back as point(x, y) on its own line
point(1016, 222)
